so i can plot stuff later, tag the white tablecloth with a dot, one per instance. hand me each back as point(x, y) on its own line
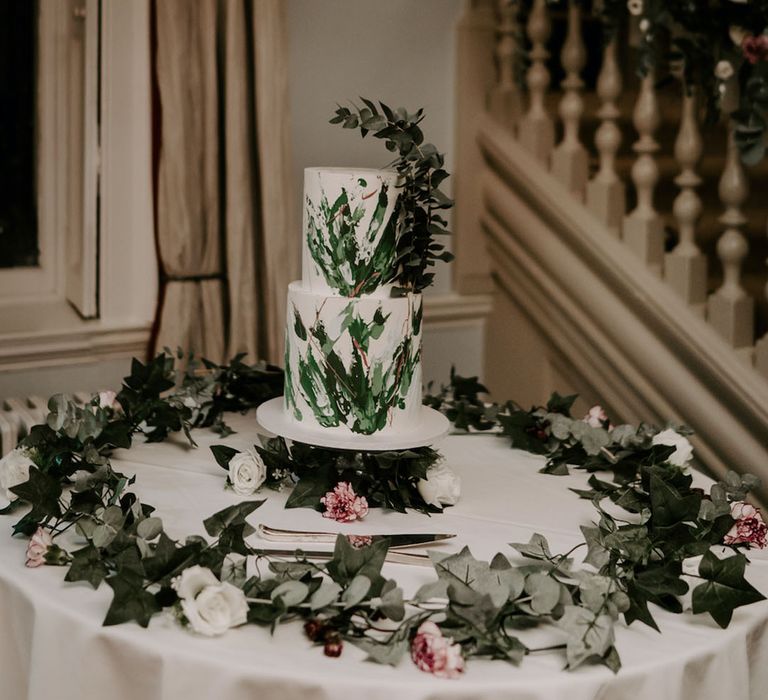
point(52, 644)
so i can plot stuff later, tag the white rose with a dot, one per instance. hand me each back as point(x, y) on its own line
point(684, 450)
point(210, 606)
point(723, 70)
point(442, 487)
point(247, 472)
point(14, 470)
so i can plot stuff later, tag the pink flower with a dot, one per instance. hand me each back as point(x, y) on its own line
point(38, 545)
point(749, 527)
point(433, 653)
point(108, 399)
point(343, 504)
point(755, 48)
point(360, 541)
point(597, 417)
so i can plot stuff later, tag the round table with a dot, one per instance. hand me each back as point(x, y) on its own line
point(52, 643)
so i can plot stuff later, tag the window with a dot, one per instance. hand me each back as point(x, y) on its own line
point(81, 286)
point(18, 186)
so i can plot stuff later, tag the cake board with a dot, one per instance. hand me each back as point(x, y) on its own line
point(431, 427)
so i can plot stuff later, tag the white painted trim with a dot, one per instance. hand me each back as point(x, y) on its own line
point(453, 309)
point(72, 346)
point(611, 321)
point(42, 330)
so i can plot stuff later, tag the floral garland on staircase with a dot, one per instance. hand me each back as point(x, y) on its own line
point(61, 477)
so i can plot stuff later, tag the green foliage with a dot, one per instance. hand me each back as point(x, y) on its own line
point(666, 519)
point(636, 559)
point(421, 167)
point(386, 479)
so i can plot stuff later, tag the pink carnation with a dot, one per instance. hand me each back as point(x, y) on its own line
point(343, 504)
point(360, 541)
point(436, 654)
point(38, 546)
point(755, 48)
point(749, 527)
point(597, 417)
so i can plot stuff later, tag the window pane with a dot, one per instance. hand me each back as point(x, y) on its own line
point(18, 215)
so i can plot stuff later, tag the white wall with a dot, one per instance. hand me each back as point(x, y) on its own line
point(401, 52)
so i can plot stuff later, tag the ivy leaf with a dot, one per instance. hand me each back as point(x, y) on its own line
point(232, 515)
point(42, 492)
point(725, 588)
point(668, 506)
point(87, 565)
point(130, 600)
point(310, 489)
point(588, 635)
point(223, 454)
point(536, 548)
point(389, 653)
point(561, 404)
point(349, 562)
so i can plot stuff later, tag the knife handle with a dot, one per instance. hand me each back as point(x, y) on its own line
point(274, 534)
point(393, 557)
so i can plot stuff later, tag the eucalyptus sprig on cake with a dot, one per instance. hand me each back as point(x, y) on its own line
point(421, 167)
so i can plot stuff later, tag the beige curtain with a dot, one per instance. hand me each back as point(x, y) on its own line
point(227, 241)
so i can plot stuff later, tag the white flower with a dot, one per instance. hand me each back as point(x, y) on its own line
point(645, 25)
point(723, 70)
point(635, 7)
point(14, 470)
point(738, 34)
point(684, 450)
point(442, 487)
point(210, 606)
point(596, 417)
point(108, 399)
point(247, 472)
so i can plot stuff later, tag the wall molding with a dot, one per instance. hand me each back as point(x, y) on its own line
point(611, 323)
point(71, 346)
point(452, 309)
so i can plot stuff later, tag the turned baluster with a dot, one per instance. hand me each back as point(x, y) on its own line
point(685, 268)
point(606, 197)
point(570, 160)
point(537, 131)
point(643, 228)
point(505, 97)
point(730, 309)
point(761, 349)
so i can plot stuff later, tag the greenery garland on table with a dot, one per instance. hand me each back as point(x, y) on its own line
point(62, 477)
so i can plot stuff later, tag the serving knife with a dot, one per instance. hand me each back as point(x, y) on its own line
point(394, 557)
point(396, 541)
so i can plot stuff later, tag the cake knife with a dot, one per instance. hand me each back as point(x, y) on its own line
point(393, 556)
point(396, 541)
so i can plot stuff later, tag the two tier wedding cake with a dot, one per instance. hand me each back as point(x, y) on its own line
point(353, 351)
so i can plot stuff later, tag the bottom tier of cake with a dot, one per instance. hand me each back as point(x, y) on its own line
point(353, 365)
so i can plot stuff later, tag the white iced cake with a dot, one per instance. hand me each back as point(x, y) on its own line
point(352, 350)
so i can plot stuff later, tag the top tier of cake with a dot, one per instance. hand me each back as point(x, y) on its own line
point(350, 231)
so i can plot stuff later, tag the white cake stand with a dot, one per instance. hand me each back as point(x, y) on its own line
point(431, 426)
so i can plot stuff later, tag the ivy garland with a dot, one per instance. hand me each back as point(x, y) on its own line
point(472, 608)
